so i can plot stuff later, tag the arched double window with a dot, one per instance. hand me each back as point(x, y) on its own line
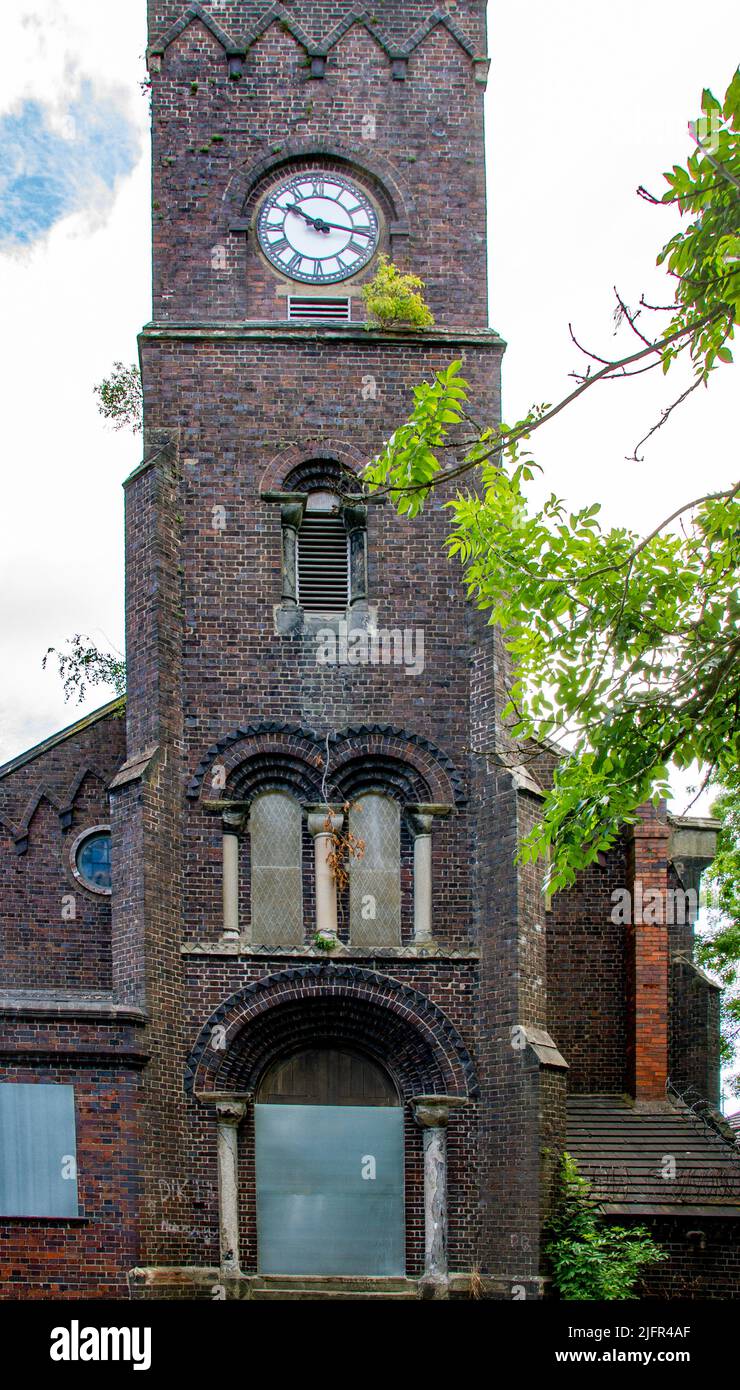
point(275, 833)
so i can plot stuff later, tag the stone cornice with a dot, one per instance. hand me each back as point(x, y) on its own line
point(269, 331)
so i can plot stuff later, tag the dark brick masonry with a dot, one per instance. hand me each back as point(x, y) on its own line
point(225, 702)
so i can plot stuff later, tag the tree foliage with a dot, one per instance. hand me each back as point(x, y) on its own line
point(83, 664)
point(120, 397)
point(393, 298)
point(589, 1258)
point(624, 647)
point(719, 949)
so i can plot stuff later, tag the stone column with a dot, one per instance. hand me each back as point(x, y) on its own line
point(433, 1113)
point(291, 516)
point(322, 820)
point(231, 823)
point(355, 521)
point(421, 818)
point(230, 1111)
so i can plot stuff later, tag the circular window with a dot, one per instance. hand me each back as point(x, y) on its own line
point(91, 859)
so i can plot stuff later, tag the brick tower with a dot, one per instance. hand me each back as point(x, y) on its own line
point(302, 660)
point(240, 1070)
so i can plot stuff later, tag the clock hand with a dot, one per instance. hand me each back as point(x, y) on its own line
point(322, 226)
point(356, 231)
point(316, 222)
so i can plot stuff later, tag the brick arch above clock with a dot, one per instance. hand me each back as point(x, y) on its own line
point(248, 184)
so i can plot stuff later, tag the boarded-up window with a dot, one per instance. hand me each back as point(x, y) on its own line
point(375, 878)
point(277, 897)
point(38, 1153)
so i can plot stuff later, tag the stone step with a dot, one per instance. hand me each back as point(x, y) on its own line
point(282, 1286)
point(273, 1295)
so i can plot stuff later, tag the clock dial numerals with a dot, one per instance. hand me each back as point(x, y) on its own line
point(318, 228)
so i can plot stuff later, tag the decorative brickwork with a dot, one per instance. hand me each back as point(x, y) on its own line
point(156, 1000)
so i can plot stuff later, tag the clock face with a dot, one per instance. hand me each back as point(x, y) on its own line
point(318, 227)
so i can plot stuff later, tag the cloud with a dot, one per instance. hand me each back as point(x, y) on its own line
point(55, 162)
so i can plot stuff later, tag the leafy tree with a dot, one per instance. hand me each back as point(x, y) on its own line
point(83, 664)
point(589, 1258)
point(624, 647)
point(120, 397)
point(394, 298)
point(719, 949)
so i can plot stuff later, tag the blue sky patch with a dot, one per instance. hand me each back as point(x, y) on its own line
point(47, 173)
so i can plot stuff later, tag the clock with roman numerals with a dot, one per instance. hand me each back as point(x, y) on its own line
point(318, 227)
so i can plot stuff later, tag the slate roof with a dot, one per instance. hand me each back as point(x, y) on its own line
point(624, 1152)
point(84, 723)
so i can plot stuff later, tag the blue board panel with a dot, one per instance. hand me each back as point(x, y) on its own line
point(38, 1167)
point(330, 1189)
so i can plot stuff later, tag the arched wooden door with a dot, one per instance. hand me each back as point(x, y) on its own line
point(330, 1171)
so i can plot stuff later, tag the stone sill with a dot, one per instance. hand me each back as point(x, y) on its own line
point(270, 330)
point(230, 947)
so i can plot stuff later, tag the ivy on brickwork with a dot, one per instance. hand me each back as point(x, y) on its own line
point(625, 648)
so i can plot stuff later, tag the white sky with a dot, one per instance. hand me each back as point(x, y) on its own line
point(585, 102)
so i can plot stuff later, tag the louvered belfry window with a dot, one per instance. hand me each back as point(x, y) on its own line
point(323, 556)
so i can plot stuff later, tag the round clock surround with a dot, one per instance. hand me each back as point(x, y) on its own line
point(318, 227)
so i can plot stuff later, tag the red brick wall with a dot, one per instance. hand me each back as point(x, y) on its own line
point(39, 947)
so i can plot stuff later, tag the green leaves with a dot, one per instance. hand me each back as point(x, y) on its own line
point(393, 298)
point(703, 257)
point(625, 649)
point(592, 1260)
point(84, 665)
point(120, 397)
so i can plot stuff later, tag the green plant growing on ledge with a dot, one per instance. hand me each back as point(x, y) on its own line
point(394, 298)
point(324, 943)
point(590, 1259)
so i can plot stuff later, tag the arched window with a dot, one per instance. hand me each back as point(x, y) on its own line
point(327, 1076)
point(375, 877)
point(323, 556)
point(275, 823)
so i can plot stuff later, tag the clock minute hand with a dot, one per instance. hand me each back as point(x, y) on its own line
point(356, 231)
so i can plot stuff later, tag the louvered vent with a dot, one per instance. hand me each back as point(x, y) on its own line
point(323, 563)
point(319, 310)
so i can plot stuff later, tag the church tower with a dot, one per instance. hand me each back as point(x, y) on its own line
point(280, 1014)
point(331, 1052)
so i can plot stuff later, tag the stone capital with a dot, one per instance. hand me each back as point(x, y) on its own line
point(420, 823)
point(232, 822)
point(433, 1112)
point(324, 820)
point(230, 1112)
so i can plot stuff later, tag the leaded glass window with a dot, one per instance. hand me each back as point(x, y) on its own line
point(375, 878)
point(277, 897)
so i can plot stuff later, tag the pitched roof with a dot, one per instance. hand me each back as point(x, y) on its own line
point(63, 734)
point(626, 1155)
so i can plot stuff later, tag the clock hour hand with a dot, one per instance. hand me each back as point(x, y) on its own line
point(316, 222)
